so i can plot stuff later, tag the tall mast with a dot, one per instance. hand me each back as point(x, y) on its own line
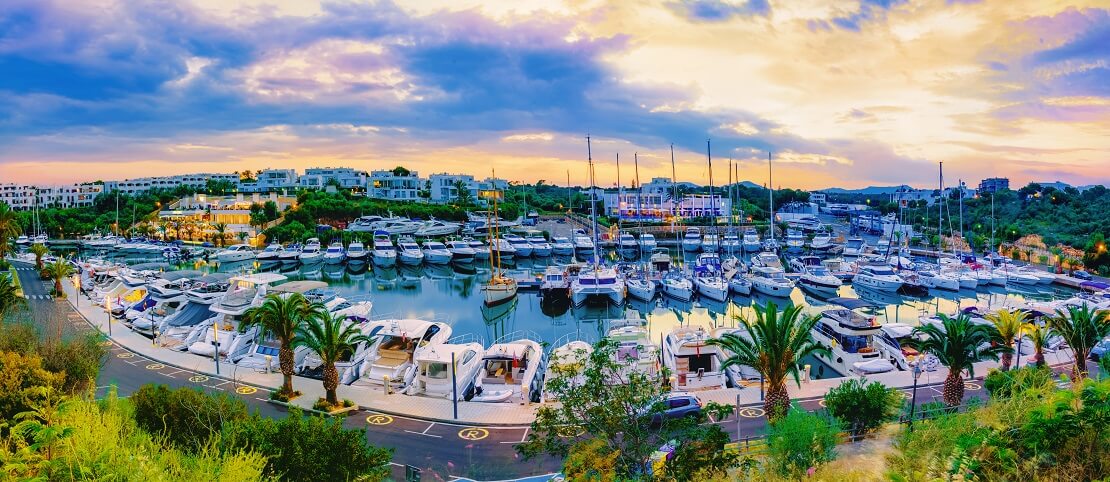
point(992, 219)
point(770, 197)
point(593, 196)
point(961, 185)
point(639, 192)
point(674, 188)
point(117, 211)
point(569, 191)
point(712, 205)
point(730, 187)
point(620, 197)
point(940, 211)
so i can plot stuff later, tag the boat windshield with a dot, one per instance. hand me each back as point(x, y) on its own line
point(438, 371)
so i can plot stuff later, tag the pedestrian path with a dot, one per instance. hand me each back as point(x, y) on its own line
point(38, 297)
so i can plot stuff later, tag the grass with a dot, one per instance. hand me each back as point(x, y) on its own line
point(15, 281)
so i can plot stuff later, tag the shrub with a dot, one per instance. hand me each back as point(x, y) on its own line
point(18, 336)
point(1001, 384)
point(801, 440)
point(863, 407)
point(280, 396)
point(304, 448)
point(187, 417)
point(25, 383)
point(80, 359)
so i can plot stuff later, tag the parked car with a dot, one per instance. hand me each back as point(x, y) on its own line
point(1083, 275)
point(677, 405)
point(1100, 349)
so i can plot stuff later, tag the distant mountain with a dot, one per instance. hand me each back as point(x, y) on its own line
point(869, 190)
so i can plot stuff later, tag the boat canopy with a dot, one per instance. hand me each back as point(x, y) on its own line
point(181, 274)
point(299, 286)
point(852, 303)
point(191, 314)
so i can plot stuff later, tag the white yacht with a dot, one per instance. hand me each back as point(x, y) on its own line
point(436, 377)
point(335, 253)
point(540, 246)
point(740, 284)
point(220, 336)
point(561, 246)
point(647, 242)
point(174, 329)
point(730, 242)
point(435, 227)
point(816, 279)
point(512, 370)
point(583, 245)
point(165, 297)
point(461, 252)
point(855, 246)
point(391, 358)
point(565, 358)
point(357, 252)
point(384, 255)
point(409, 252)
point(272, 252)
point(737, 374)
point(877, 277)
point(555, 283)
point(481, 249)
point(660, 260)
point(707, 277)
point(938, 280)
point(235, 252)
point(636, 349)
point(627, 245)
point(291, 254)
point(641, 287)
point(821, 242)
point(795, 241)
point(710, 243)
point(311, 253)
point(436, 252)
point(597, 283)
point(751, 241)
point(694, 364)
point(691, 241)
point(503, 249)
point(522, 246)
point(677, 286)
point(893, 343)
point(771, 281)
point(849, 334)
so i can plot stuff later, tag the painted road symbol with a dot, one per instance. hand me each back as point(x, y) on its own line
point(972, 386)
point(570, 431)
point(125, 355)
point(244, 390)
point(751, 412)
point(198, 378)
point(473, 433)
point(155, 366)
point(380, 420)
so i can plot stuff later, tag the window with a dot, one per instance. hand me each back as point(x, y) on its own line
point(438, 371)
point(678, 402)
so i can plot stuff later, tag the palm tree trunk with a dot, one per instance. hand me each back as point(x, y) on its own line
point(58, 288)
point(1038, 357)
point(1079, 370)
point(777, 402)
point(1007, 359)
point(285, 358)
point(953, 388)
point(331, 382)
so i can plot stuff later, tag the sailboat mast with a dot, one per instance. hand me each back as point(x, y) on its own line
point(730, 187)
point(639, 193)
point(674, 203)
point(770, 197)
point(569, 191)
point(620, 196)
point(117, 211)
point(712, 205)
point(593, 198)
point(961, 185)
point(940, 211)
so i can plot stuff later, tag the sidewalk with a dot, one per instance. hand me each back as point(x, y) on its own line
point(433, 409)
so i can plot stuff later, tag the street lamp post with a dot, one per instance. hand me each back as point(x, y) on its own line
point(915, 365)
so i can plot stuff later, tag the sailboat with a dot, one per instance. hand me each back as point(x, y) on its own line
point(675, 284)
point(596, 282)
point(500, 288)
point(770, 244)
point(640, 286)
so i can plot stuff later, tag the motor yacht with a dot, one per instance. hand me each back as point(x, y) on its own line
point(737, 375)
point(555, 283)
point(512, 370)
point(357, 253)
point(771, 281)
point(311, 253)
point(818, 280)
point(503, 249)
point(848, 334)
point(730, 242)
point(647, 243)
point(522, 246)
point(938, 280)
point(640, 286)
point(583, 245)
point(692, 361)
point(877, 277)
point(767, 259)
point(437, 377)
point(481, 249)
point(234, 253)
point(567, 360)
point(561, 246)
point(795, 241)
point(461, 252)
point(436, 252)
point(740, 284)
point(598, 283)
point(660, 260)
point(894, 344)
point(384, 255)
point(290, 254)
point(691, 241)
point(335, 253)
point(710, 243)
point(677, 286)
point(220, 336)
point(540, 246)
point(636, 351)
point(175, 328)
point(409, 253)
point(272, 252)
point(751, 241)
point(166, 297)
point(855, 246)
point(391, 358)
point(821, 242)
point(435, 227)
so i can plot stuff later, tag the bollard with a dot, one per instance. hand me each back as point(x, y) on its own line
point(385, 384)
point(524, 395)
point(807, 373)
point(269, 360)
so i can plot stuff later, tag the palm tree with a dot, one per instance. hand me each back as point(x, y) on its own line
point(957, 343)
point(1081, 327)
point(332, 338)
point(1009, 324)
point(9, 299)
point(221, 233)
point(9, 228)
point(58, 271)
point(39, 250)
point(776, 348)
point(280, 316)
point(1038, 336)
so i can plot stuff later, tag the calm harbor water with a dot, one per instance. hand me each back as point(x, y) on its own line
point(452, 293)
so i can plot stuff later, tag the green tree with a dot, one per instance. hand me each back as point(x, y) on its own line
point(863, 407)
point(958, 344)
point(186, 417)
point(280, 316)
point(9, 229)
point(1081, 327)
point(1038, 337)
point(401, 171)
point(799, 440)
point(220, 233)
point(462, 194)
point(332, 338)
point(1009, 324)
point(9, 299)
point(39, 250)
point(778, 343)
point(58, 271)
point(610, 414)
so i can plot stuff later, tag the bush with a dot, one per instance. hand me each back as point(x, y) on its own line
point(304, 448)
point(863, 407)
point(80, 359)
point(1002, 384)
point(187, 417)
point(25, 384)
point(801, 440)
point(280, 396)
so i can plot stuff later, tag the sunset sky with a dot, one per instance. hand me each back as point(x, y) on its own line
point(844, 93)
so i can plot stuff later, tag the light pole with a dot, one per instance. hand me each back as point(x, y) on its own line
point(915, 365)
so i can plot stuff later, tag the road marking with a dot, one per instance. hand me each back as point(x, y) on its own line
point(522, 438)
point(245, 390)
point(972, 386)
point(379, 419)
point(473, 434)
point(155, 366)
point(175, 372)
point(570, 431)
point(751, 412)
point(821, 403)
point(198, 378)
point(124, 355)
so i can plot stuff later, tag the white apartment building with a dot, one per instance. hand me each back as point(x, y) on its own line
point(270, 180)
point(145, 184)
point(444, 187)
point(658, 206)
point(389, 185)
point(347, 178)
point(22, 197)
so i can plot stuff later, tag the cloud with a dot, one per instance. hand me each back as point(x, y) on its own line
point(720, 10)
